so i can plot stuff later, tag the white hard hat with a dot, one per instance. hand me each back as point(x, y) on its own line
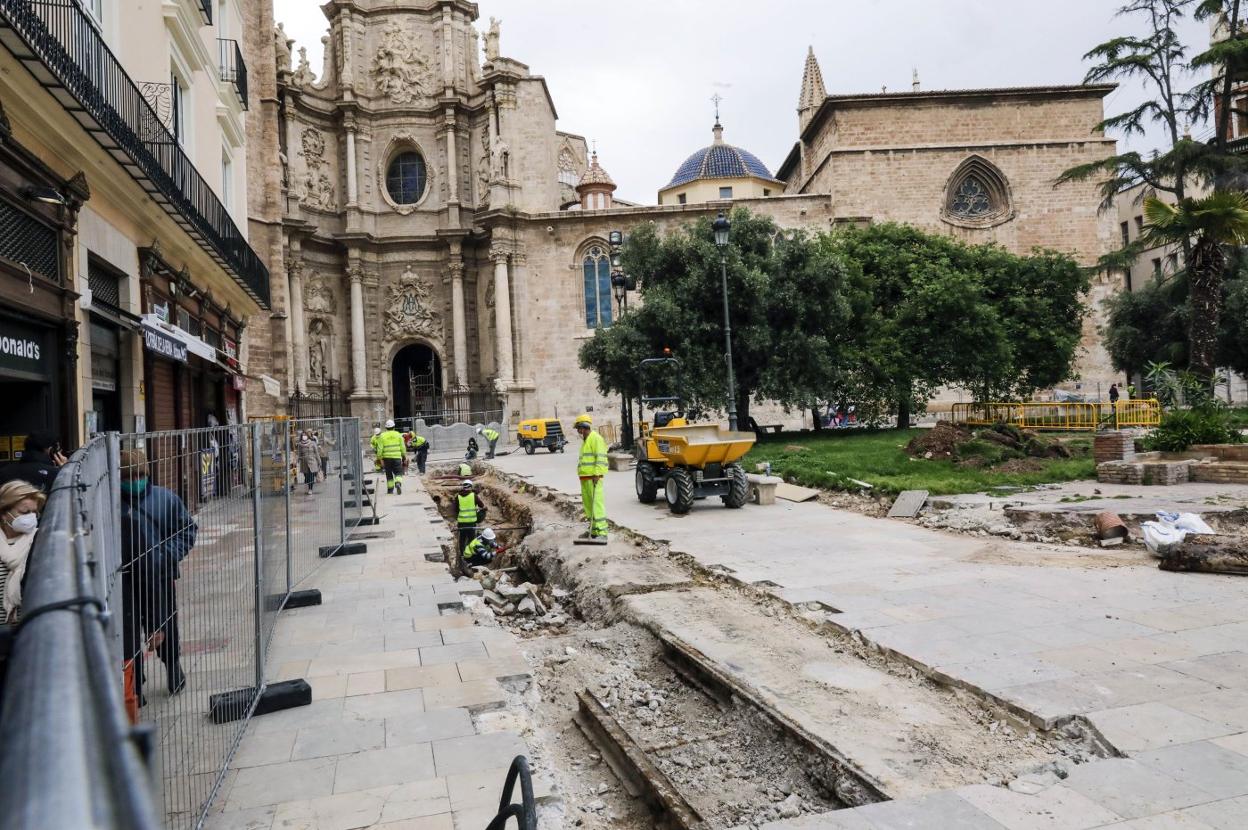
point(488, 534)
point(466, 483)
point(390, 424)
point(376, 430)
point(480, 430)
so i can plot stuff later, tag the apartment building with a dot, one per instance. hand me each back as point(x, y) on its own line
point(126, 278)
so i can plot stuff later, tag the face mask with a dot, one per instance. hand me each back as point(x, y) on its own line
point(133, 485)
point(25, 523)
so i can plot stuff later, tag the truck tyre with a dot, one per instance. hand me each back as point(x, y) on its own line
point(679, 491)
point(647, 483)
point(529, 447)
point(738, 487)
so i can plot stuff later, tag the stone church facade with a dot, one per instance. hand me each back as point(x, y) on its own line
point(426, 217)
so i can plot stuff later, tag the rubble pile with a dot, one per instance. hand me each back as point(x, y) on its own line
point(1003, 446)
point(540, 606)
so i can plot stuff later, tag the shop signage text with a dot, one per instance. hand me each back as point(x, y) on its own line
point(22, 349)
point(164, 345)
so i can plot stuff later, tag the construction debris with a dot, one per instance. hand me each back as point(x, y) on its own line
point(1207, 554)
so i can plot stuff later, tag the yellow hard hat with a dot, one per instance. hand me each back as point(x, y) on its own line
point(585, 419)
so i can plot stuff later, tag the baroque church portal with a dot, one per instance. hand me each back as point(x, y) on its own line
point(443, 238)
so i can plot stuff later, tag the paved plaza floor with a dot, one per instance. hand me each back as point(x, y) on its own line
point(1156, 662)
point(398, 735)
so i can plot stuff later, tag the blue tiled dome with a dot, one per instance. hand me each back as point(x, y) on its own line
point(719, 161)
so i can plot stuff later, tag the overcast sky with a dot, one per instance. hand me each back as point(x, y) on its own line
point(638, 76)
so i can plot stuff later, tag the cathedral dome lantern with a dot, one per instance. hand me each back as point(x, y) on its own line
point(720, 171)
point(596, 187)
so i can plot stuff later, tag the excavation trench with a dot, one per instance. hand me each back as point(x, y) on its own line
point(736, 712)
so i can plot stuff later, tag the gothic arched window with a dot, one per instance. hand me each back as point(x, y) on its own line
point(596, 267)
point(977, 195)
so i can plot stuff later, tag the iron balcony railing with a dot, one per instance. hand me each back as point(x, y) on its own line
point(61, 48)
point(233, 68)
point(205, 9)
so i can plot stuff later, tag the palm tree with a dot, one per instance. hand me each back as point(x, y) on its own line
point(1209, 225)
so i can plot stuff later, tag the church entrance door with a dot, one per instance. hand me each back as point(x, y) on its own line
point(417, 382)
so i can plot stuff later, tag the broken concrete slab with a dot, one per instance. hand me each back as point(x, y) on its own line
point(908, 504)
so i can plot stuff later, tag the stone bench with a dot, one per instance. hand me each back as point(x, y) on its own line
point(619, 460)
point(763, 488)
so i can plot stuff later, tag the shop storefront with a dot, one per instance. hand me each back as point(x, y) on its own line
point(38, 332)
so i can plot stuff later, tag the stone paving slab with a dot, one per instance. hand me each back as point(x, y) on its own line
point(1158, 660)
point(398, 670)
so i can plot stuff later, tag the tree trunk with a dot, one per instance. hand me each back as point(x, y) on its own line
point(1205, 286)
point(903, 404)
point(816, 418)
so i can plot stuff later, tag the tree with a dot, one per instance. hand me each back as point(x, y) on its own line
point(1209, 225)
point(787, 305)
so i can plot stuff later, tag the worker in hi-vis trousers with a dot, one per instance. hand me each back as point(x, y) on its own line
point(469, 512)
point(392, 450)
point(374, 442)
point(591, 468)
point(490, 435)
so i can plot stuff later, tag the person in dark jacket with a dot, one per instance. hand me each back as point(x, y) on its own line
point(157, 533)
point(41, 458)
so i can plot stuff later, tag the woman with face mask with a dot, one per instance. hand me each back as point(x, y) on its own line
point(309, 457)
point(20, 503)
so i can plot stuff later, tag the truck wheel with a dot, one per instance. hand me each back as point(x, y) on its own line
point(738, 487)
point(554, 449)
point(679, 490)
point(647, 483)
point(529, 449)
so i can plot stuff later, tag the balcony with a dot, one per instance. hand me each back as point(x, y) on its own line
point(233, 69)
point(60, 47)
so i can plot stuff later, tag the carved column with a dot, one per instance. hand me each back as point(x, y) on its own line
point(502, 317)
point(459, 322)
point(353, 192)
point(452, 159)
point(298, 330)
point(520, 281)
point(359, 353)
point(448, 52)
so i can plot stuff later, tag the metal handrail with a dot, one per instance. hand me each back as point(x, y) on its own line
point(233, 67)
point(525, 813)
point(62, 39)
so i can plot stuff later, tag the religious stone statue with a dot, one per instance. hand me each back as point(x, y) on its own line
point(303, 75)
point(500, 155)
point(281, 46)
point(399, 70)
point(316, 360)
point(491, 40)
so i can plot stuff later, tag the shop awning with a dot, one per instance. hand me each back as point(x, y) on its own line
point(117, 317)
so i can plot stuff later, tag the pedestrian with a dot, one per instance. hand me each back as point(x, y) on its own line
point(157, 533)
point(309, 456)
point(374, 443)
point(490, 435)
point(20, 503)
point(41, 458)
point(1113, 393)
point(324, 443)
point(591, 468)
point(420, 446)
point(473, 449)
point(480, 551)
point(392, 453)
point(469, 512)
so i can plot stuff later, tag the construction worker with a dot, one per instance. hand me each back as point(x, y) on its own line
point(465, 469)
point(591, 468)
point(469, 512)
point(490, 435)
point(373, 442)
point(391, 451)
point(420, 445)
point(481, 550)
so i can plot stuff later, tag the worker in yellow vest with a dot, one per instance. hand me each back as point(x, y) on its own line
point(420, 445)
point(469, 512)
point(391, 450)
point(490, 435)
point(591, 468)
point(376, 448)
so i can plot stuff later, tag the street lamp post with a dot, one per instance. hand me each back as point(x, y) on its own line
point(620, 286)
point(721, 226)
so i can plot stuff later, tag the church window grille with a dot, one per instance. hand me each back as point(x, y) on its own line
point(406, 178)
point(977, 195)
point(596, 267)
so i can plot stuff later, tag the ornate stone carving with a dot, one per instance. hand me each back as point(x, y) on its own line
point(500, 161)
point(318, 297)
point(318, 189)
point(303, 75)
point(483, 171)
point(491, 40)
point(320, 334)
point(281, 46)
point(409, 310)
point(399, 71)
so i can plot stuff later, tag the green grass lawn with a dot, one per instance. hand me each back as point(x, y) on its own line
point(1239, 417)
point(880, 459)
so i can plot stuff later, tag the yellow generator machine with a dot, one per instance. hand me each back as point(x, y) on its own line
point(541, 432)
point(689, 461)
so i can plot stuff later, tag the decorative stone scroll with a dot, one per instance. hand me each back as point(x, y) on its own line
point(409, 310)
